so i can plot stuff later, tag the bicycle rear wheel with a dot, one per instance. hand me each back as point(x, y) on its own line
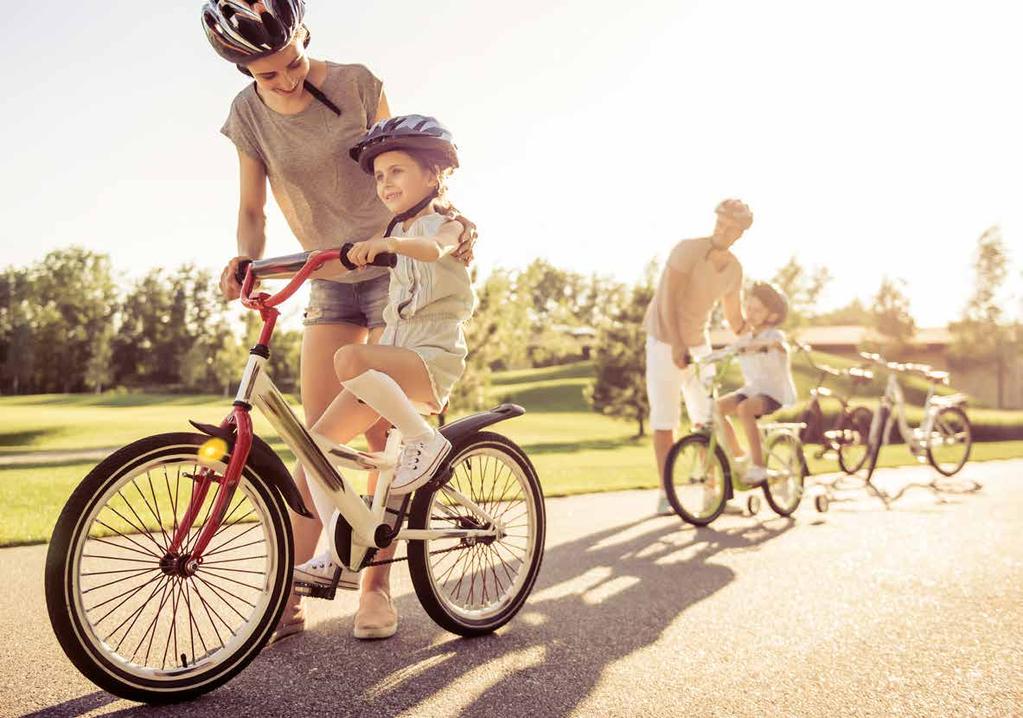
point(695, 480)
point(131, 616)
point(785, 456)
point(472, 586)
point(950, 442)
point(853, 439)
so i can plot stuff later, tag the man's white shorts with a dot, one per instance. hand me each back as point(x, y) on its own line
point(665, 381)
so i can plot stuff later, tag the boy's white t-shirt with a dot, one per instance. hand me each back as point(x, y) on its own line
point(768, 372)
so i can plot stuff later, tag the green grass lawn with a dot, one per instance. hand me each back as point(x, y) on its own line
point(574, 449)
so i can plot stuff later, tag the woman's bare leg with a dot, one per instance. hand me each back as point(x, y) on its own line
point(319, 386)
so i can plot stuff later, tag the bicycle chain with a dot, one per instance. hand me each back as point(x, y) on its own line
point(405, 558)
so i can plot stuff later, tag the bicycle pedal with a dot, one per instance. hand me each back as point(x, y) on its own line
point(314, 591)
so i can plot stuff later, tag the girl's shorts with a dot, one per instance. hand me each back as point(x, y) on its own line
point(359, 303)
point(771, 404)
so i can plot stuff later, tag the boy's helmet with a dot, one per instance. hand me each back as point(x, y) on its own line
point(245, 30)
point(407, 132)
point(772, 297)
point(737, 210)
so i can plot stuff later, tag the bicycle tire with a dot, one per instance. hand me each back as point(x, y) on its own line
point(712, 505)
point(774, 495)
point(442, 599)
point(954, 468)
point(858, 421)
point(79, 633)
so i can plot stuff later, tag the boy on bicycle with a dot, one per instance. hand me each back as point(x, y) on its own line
point(767, 373)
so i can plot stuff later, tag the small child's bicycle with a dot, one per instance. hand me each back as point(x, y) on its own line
point(171, 563)
point(700, 476)
point(847, 441)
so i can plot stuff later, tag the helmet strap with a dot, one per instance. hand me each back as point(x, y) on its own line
point(410, 212)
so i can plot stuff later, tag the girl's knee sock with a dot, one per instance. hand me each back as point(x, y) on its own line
point(384, 395)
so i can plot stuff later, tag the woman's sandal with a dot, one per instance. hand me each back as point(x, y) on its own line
point(291, 622)
point(376, 621)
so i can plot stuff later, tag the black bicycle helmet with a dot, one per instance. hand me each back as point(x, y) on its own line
point(772, 297)
point(407, 132)
point(245, 30)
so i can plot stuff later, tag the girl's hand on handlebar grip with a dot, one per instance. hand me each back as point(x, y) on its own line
point(230, 286)
point(363, 253)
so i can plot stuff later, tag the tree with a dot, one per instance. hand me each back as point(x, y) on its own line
point(855, 312)
point(620, 358)
point(890, 314)
point(984, 335)
point(74, 291)
point(99, 371)
point(803, 289)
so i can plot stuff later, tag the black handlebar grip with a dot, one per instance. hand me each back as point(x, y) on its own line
point(384, 259)
point(239, 272)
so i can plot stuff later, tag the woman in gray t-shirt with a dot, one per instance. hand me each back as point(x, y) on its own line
point(292, 128)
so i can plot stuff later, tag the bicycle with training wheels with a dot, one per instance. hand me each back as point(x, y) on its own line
point(847, 441)
point(700, 476)
point(171, 563)
point(943, 439)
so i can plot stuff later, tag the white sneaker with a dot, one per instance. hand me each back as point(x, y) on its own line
point(663, 507)
point(418, 462)
point(319, 570)
point(755, 475)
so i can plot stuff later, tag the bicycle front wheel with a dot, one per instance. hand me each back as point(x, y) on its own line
point(853, 439)
point(472, 586)
point(950, 442)
point(127, 612)
point(785, 458)
point(695, 479)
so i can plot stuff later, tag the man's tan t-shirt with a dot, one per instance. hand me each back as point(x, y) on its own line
point(690, 286)
point(324, 195)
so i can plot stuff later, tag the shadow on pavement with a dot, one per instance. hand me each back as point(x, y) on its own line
point(598, 599)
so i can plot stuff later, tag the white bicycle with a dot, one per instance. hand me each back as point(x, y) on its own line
point(172, 561)
point(943, 439)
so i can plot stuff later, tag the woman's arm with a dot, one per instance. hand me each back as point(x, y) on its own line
point(251, 232)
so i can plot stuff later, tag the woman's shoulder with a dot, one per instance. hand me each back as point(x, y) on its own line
point(342, 72)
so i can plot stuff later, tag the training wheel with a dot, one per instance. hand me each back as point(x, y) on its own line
point(820, 502)
point(753, 505)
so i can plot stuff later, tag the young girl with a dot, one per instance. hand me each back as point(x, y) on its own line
point(767, 371)
point(422, 351)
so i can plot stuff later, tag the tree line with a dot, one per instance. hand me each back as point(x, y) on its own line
point(69, 323)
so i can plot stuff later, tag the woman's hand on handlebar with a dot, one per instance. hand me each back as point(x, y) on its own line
point(363, 253)
point(230, 287)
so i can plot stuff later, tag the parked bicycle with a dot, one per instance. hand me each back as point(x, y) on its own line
point(943, 439)
point(700, 476)
point(172, 561)
point(848, 439)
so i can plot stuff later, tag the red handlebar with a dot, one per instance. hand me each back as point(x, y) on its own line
point(314, 262)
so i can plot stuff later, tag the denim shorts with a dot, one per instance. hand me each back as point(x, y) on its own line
point(359, 303)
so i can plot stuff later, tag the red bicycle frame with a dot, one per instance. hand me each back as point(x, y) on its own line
point(239, 417)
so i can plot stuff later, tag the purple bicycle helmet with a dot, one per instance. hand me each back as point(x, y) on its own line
point(407, 132)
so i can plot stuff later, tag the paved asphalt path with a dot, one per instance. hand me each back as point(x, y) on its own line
point(857, 612)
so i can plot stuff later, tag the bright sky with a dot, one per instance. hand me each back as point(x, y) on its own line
point(874, 138)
